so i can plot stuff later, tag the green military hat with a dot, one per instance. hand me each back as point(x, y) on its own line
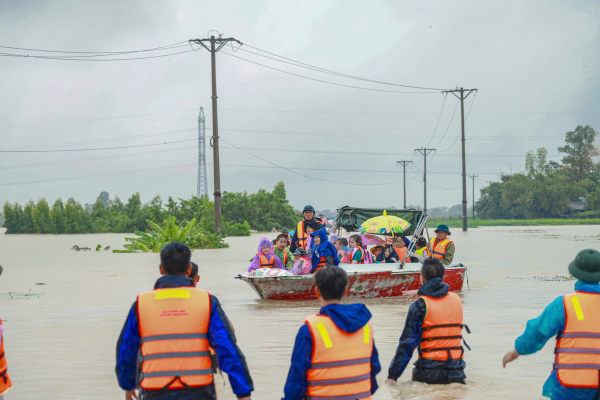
point(586, 266)
point(443, 228)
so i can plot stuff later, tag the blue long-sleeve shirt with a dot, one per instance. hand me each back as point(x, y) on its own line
point(539, 330)
point(296, 384)
point(220, 337)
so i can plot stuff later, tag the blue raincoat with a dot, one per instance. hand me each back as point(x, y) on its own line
point(324, 249)
point(545, 327)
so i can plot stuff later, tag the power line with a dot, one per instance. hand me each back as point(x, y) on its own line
point(99, 52)
point(94, 60)
point(437, 123)
point(319, 69)
point(94, 149)
point(323, 81)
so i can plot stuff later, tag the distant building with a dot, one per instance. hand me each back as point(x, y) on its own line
point(578, 205)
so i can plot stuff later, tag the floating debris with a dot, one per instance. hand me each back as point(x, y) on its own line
point(556, 278)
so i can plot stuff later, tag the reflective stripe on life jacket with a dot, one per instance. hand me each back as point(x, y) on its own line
point(173, 324)
point(442, 328)
point(5, 381)
point(341, 361)
point(264, 263)
point(578, 346)
point(423, 252)
point(439, 248)
point(301, 235)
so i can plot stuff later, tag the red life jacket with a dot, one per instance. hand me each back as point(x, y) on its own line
point(578, 346)
point(173, 325)
point(5, 381)
point(341, 361)
point(442, 328)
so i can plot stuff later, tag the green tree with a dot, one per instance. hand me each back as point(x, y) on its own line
point(11, 222)
point(77, 220)
point(41, 217)
point(579, 147)
point(57, 216)
point(27, 224)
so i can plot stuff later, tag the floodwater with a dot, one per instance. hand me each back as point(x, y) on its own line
point(63, 312)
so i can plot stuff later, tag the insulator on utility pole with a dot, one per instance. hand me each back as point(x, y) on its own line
point(216, 44)
point(461, 96)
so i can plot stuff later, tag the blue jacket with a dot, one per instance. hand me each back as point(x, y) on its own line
point(221, 338)
point(411, 335)
point(546, 326)
point(349, 318)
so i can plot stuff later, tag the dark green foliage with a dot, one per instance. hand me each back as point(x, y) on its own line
point(241, 212)
point(545, 189)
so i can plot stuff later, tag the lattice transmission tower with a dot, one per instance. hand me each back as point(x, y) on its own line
point(202, 180)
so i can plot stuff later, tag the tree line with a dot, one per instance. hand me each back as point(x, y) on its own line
point(241, 212)
point(546, 188)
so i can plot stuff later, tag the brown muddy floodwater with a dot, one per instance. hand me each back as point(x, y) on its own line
point(63, 312)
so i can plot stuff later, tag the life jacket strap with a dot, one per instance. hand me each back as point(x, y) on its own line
point(176, 374)
point(441, 349)
point(182, 354)
point(428, 328)
point(429, 339)
point(174, 336)
point(2, 355)
point(339, 381)
point(577, 366)
point(345, 363)
point(3, 376)
point(577, 351)
point(358, 396)
point(572, 335)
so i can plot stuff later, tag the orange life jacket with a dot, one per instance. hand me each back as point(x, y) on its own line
point(401, 252)
point(301, 235)
point(578, 345)
point(439, 248)
point(341, 361)
point(362, 259)
point(285, 257)
point(173, 324)
point(5, 381)
point(442, 328)
point(264, 263)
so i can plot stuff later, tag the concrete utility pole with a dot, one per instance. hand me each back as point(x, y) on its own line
point(216, 44)
point(462, 98)
point(202, 186)
point(403, 163)
point(473, 176)
point(424, 151)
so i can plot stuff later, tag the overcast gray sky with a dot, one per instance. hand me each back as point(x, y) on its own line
point(535, 63)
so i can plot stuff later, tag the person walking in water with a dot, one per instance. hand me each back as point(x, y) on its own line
point(434, 323)
point(334, 355)
point(171, 329)
point(575, 321)
point(442, 247)
point(300, 236)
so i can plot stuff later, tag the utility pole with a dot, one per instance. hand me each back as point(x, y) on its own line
point(424, 151)
point(473, 176)
point(216, 44)
point(403, 163)
point(462, 98)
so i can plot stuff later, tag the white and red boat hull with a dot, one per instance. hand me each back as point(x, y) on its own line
point(363, 284)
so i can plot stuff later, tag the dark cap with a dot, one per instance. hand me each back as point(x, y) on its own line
point(586, 266)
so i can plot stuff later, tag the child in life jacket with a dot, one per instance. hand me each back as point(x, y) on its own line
point(282, 251)
point(421, 245)
point(265, 257)
point(359, 254)
point(344, 251)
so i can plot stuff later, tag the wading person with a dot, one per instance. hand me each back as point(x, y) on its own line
point(172, 328)
point(300, 236)
point(334, 355)
point(442, 247)
point(5, 381)
point(434, 323)
point(324, 252)
point(575, 321)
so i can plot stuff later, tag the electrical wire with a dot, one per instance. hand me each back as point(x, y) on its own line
point(98, 52)
point(323, 81)
point(438, 121)
point(327, 71)
point(94, 149)
point(466, 119)
point(95, 60)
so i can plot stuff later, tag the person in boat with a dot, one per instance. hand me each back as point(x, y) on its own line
point(334, 354)
point(194, 273)
point(421, 245)
point(283, 252)
point(442, 247)
point(265, 257)
point(575, 321)
point(434, 324)
point(300, 236)
point(400, 249)
point(5, 381)
point(150, 345)
point(388, 255)
point(344, 252)
point(376, 251)
point(359, 254)
point(323, 253)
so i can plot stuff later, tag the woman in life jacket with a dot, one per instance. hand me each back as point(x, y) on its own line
point(359, 254)
point(265, 257)
point(324, 252)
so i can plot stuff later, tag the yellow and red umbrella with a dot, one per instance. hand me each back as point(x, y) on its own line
point(384, 224)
